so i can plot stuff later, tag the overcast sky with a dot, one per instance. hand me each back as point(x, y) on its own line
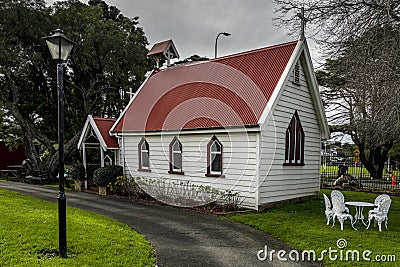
point(194, 24)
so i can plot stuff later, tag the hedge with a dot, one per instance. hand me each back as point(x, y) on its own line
point(78, 171)
point(108, 174)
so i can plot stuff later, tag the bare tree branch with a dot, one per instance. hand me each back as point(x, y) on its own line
point(335, 22)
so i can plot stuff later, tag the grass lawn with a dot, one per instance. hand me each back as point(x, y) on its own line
point(303, 226)
point(29, 236)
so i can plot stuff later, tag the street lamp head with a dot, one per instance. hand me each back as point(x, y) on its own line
point(216, 41)
point(59, 45)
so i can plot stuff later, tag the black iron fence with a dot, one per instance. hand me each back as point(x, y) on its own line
point(330, 164)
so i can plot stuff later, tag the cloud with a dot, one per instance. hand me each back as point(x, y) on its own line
point(194, 24)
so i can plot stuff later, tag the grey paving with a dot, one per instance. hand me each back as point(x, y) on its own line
point(179, 237)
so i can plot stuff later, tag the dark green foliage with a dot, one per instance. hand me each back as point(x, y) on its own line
point(108, 174)
point(108, 59)
point(90, 168)
point(77, 171)
point(128, 188)
point(192, 58)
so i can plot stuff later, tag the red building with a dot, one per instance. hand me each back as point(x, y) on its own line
point(13, 157)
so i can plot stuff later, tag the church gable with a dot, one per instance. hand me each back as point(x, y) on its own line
point(96, 131)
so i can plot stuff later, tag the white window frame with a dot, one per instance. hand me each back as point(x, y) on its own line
point(173, 152)
point(144, 148)
point(212, 155)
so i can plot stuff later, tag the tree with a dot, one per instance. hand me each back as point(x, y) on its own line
point(334, 22)
point(192, 58)
point(1, 120)
point(394, 155)
point(109, 58)
point(361, 77)
point(361, 94)
point(10, 133)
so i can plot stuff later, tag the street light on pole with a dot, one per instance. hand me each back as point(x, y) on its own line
point(60, 47)
point(216, 41)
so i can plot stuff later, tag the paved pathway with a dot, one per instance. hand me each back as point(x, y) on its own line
point(179, 237)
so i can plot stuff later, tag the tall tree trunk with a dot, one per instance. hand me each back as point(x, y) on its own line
point(70, 149)
point(375, 162)
point(31, 152)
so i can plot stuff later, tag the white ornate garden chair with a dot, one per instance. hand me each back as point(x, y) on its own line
point(377, 202)
point(381, 214)
point(328, 209)
point(339, 209)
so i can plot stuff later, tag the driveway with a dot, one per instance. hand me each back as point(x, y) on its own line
point(179, 237)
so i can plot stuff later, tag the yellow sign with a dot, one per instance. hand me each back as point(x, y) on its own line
point(356, 155)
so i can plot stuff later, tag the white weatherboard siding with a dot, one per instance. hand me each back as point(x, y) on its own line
point(278, 182)
point(239, 160)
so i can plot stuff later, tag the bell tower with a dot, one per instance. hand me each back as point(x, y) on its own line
point(163, 52)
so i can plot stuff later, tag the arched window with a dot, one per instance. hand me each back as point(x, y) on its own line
point(214, 157)
point(144, 155)
point(294, 144)
point(175, 156)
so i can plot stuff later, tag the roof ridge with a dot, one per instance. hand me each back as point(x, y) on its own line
point(193, 63)
point(255, 50)
point(102, 118)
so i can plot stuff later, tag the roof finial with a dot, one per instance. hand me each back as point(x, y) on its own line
point(303, 23)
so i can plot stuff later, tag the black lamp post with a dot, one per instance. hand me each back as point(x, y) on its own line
point(60, 47)
point(216, 41)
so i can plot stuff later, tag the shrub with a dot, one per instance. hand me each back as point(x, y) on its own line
point(77, 171)
point(108, 174)
point(128, 188)
point(178, 193)
point(231, 201)
point(90, 168)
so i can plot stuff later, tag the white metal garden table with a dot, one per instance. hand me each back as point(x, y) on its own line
point(359, 205)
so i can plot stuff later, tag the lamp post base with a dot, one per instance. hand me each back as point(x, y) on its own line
point(62, 224)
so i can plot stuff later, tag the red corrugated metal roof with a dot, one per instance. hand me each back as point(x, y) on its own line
point(227, 91)
point(104, 125)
